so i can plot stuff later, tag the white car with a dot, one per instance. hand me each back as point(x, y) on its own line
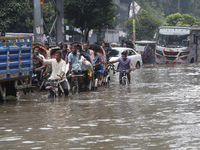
point(132, 54)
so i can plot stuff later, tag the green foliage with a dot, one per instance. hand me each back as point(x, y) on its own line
point(25, 22)
point(90, 14)
point(146, 27)
point(154, 7)
point(185, 19)
point(160, 9)
point(9, 13)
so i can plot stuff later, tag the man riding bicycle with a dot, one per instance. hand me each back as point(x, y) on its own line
point(74, 65)
point(124, 64)
point(58, 70)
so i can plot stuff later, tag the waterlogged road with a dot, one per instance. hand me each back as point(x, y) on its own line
point(160, 110)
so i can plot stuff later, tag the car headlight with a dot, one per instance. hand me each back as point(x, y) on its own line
point(184, 53)
point(159, 52)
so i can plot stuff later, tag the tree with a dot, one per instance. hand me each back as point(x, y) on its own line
point(10, 11)
point(25, 22)
point(145, 26)
point(90, 14)
point(154, 7)
point(185, 19)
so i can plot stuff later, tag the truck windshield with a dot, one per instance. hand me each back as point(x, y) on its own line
point(173, 37)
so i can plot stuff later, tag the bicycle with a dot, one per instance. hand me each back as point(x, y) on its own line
point(54, 87)
point(124, 76)
point(111, 67)
point(75, 88)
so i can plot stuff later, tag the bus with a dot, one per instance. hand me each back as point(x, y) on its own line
point(178, 44)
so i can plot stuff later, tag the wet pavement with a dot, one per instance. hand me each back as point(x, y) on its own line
point(159, 110)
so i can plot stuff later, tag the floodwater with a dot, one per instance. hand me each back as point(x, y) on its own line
point(159, 110)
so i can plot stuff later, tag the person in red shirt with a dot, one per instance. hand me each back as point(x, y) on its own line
point(70, 47)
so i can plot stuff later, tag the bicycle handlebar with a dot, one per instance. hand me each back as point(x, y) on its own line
point(59, 75)
point(124, 70)
point(80, 75)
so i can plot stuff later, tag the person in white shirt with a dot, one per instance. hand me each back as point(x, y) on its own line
point(83, 65)
point(58, 69)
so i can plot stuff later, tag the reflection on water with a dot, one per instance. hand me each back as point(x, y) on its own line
point(159, 110)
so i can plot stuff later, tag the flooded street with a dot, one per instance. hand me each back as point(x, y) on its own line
point(159, 110)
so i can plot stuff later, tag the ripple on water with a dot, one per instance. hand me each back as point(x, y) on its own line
point(28, 142)
point(68, 127)
point(15, 138)
point(36, 148)
point(46, 129)
point(159, 110)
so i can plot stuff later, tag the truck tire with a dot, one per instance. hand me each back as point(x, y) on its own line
point(1, 95)
point(10, 88)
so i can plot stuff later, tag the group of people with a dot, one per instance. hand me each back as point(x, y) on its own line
point(77, 63)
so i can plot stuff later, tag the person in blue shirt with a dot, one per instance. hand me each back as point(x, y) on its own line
point(107, 50)
point(124, 64)
point(74, 65)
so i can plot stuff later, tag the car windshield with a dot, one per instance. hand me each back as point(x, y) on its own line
point(173, 37)
point(115, 53)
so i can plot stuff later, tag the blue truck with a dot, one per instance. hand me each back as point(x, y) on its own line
point(16, 65)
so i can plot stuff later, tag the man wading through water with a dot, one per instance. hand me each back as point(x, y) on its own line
point(58, 68)
point(74, 66)
point(124, 64)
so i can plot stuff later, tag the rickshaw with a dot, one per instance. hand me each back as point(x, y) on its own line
point(91, 82)
point(90, 73)
point(53, 51)
point(47, 71)
point(145, 48)
point(43, 50)
point(102, 74)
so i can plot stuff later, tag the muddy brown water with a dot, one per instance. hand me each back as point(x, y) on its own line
point(159, 110)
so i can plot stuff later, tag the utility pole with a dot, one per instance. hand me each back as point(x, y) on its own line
point(179, 6)
point(133, 20)
point(40, 24)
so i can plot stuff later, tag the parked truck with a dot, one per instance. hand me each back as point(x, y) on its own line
point(16, 65)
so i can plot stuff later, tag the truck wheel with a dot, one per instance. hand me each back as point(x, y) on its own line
point(10, 88)
point(1, 94)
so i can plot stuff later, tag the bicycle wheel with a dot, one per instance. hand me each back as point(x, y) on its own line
point(107, 83)
point(90, 85)
point(49, 96)
point(96, 83)
point(74, 90)
point(123, 82)
point(95, 88)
